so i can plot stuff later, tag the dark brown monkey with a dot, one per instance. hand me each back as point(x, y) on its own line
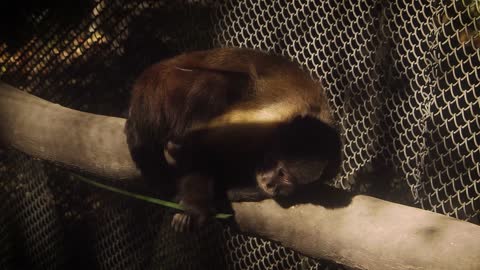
point(233, 123)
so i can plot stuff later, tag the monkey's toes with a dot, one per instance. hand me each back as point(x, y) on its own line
point(181, 222)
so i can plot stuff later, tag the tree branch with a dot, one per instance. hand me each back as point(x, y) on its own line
point(83, 141)
point(368, 233)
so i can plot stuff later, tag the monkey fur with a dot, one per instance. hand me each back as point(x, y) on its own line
point(230, 123)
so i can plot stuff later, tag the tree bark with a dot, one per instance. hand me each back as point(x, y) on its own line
point(366, 233)
point(83, 141)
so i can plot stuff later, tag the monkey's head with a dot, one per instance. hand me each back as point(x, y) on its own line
point(303, 151)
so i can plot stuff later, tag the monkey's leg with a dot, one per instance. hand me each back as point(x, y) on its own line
point(196, 196)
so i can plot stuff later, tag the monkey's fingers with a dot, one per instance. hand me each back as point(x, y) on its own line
point(181, 222)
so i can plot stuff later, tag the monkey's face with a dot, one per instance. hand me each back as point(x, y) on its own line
point(276, 180)
point(303, 151)
point(279, 178)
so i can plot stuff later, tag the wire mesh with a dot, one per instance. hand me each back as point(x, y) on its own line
point(401, 76)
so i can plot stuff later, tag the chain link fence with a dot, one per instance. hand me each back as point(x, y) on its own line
point(402, 78)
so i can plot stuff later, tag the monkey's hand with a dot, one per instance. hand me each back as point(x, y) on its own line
point(179, 153)
point(171, 153)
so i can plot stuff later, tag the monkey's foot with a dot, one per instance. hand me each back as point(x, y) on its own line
point(182, 222)
point(187, 221)
point(194, 215)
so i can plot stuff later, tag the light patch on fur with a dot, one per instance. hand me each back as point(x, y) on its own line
point(273, 113)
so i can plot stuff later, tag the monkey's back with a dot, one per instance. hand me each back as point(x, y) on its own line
point(211, 89)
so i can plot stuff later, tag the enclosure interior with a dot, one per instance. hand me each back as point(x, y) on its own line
point(402, 78)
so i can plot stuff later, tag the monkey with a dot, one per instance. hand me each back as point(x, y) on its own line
point(230, 124)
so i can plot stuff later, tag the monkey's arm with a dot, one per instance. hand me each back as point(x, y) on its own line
point(247, 194)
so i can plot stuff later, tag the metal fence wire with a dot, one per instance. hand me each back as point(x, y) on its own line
point(402, 78)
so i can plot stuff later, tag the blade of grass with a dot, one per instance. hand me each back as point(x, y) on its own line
point(141, 197)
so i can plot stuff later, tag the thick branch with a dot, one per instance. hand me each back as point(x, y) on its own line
point(368, 233)
point(79, 140)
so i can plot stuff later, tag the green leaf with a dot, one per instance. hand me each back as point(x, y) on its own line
point(141, 197)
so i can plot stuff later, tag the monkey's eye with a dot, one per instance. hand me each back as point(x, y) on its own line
point(281, 172)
